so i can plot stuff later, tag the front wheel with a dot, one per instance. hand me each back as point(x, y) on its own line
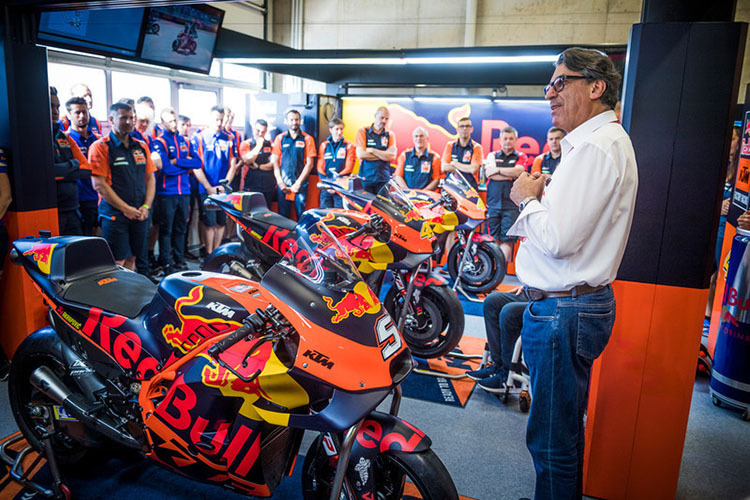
point(397, 475)
point(482, 272)
point(434, 324)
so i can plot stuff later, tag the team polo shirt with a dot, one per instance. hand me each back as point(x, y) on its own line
point(93, 125)
point(174, 180)
point(545, 164)
point(471, 153)
point(236, 139)
point(498, 192)
point(216, 151)
point(336, 158)
point(146, 139)
point(294, 152)
point(86, 191)
point(374, 170)
point(418, 170)
point(66, 176)
point(124, 168)
point(256, 179)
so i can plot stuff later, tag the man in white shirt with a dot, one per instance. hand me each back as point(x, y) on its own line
point(574, 232)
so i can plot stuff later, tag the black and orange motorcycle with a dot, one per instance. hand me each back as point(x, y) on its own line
point(218, 377)
point(475, 259)
point(380, 233)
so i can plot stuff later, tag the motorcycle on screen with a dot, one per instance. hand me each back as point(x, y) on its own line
point(218, 377)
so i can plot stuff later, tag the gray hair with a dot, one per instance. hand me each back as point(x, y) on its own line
point(594, 65)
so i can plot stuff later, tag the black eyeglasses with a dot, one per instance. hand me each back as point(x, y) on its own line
point(559, 83)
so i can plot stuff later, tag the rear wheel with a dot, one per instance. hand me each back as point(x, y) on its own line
point(32, 409)
point(482, 272)
point(434, 324)
point(397, 475)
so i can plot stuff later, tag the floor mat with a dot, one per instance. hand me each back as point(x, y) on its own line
point(133, 478)
point(453, 392)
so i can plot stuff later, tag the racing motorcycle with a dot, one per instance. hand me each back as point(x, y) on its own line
point(432, 324)
point(185, 43)
point(475, 258)
point(217, 377)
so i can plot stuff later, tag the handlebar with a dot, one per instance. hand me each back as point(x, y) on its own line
point(375, 226)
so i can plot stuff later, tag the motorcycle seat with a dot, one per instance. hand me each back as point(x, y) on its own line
point(91, 277)
point(273, 219)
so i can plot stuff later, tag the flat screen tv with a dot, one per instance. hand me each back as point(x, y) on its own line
point(111, 32)
point(181, 36)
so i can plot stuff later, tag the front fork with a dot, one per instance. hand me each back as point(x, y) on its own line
point(470, 249)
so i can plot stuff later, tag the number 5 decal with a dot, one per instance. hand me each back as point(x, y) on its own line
point(387, 332)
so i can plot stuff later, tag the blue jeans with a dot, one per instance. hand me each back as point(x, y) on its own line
point(285, 206)
point(561, 339)
point(503, 319)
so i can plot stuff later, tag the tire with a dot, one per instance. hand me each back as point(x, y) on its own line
point(43, 348)
point(424, 470)
point(484, 273)
point(436, 330)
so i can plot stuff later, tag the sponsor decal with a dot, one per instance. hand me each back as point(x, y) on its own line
point(318, 357)
point(68, 318)
point(139, 156)
point(363, 468)
point(42, 255)
point(193, 328)
point(220, 308)
point(106, 281)
point(359, 301)
point(372, 435)
point(243, 288)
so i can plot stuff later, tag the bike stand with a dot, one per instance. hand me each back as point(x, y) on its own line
point(458, 288)
point(15, 467)
point(458, 355)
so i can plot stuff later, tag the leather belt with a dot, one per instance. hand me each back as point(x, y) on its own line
point(536, 294)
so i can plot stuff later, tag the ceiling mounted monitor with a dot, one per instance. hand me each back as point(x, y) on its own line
point(181, 36)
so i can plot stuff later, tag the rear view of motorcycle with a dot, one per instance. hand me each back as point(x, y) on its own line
point(217, 377)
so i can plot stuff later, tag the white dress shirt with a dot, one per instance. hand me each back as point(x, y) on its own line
point(577, 233)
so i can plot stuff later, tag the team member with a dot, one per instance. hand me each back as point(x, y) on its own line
point(463, 154)
point(84, 136)
point(70, 166)
point(292, 155)
point(5, 199)
point(82, 90)
point(183, 128)
point(257, 173)
point(156, 130)
point(124, 178)
point(502, 168)
point(575, 231)
point(546, 164)
point(418, 167)
point(376, 149)
point(144, 121)
point(336, 157)
point(216, 150)
point(173, 191)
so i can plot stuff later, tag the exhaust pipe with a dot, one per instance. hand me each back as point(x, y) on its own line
point(240, 269)
point(46, 381)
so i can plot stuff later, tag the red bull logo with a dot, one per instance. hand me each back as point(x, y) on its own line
point(235, 200)
point(194, 329)
point(359, 301)
point(42, 255)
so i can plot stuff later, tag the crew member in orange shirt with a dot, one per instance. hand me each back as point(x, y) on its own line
point(463, 154)
point(336, 157)
point(123, 174)
point(293, 155)
point(547, 163)
point(418, 167)
point(376, 149)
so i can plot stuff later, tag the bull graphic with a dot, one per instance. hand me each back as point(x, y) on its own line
point(359, 301)
point(42, 255)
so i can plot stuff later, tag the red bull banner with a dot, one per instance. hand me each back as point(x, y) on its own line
point(439, 117)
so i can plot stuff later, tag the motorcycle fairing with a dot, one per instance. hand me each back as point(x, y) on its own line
point(482, 237)
point(424, 279)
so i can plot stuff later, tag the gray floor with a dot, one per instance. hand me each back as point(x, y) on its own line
point(483, 448)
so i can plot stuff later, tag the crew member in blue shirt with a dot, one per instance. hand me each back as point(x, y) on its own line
point(292, 155)
point(84, 136)
point(335, 158)
point(376, 149)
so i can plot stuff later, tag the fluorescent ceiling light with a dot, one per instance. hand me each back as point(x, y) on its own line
point(391, 61)
point(449, 98)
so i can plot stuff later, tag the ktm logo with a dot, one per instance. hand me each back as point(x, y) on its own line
point(222, 309)
point(106, 281)
point(319, 357)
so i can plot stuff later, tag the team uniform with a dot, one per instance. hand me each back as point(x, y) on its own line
point(334, 159)
point(293, 152)
point(215, 152)
point(3, 230)
point(254, 179)
point(418, 171)
point(501, 211)
point(545, 164)
point(70, 166)
point(88, 198)
point(173, 195)
point(237, 140)
point(374, 173)
point(125, 170)
point(471, 153)
point(93, 126)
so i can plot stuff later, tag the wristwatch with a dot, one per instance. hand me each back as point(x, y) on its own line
point(525, 201)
